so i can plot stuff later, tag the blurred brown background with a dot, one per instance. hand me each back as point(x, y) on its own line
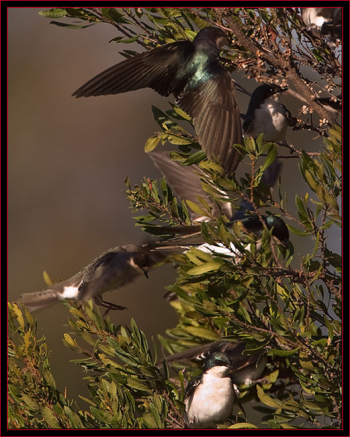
point(67, 162)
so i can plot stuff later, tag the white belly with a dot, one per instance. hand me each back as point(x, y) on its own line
point(219, 248)
point(270, 119)
point(212, 403)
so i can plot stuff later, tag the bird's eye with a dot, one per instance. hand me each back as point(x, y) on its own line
point(217, 361)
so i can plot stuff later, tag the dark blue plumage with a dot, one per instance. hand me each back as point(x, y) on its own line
point(192, 72)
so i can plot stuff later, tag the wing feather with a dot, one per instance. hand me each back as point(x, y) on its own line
point(216, 118)
point(155, 69)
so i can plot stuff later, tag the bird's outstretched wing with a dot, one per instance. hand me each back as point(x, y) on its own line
point(186, 183)
point(178, 244)
point(233, 349)
point(216, 118)
point(155, 69)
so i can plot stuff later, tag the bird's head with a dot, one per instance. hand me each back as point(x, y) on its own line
point(212, 34)
point(140, 262)
point(280, 229)
point(252, 223)
point(218, 364)
point(267, 90)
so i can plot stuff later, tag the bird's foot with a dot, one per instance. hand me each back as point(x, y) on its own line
point(109, 305)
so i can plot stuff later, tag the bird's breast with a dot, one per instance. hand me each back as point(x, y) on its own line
point(269, 119)
point(107, 278)
point(212, 402)
point(198, 70)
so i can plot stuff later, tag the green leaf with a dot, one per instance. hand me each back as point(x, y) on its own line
point(197, 209)
point(335, 134)
point(19, 315)
point(181, 113)
point(149, 421)
point(298, 231)
point(152, 143)
point(114, 15)
point(205, 268)
point(47, 279)
point(282, 353)
point(49, 379)
point(195, 158)
point(162, 119)
point(53, 13)
point(310, 179)
point(70, 26)
point(31, 404)
point(138, 385)
point(89, 401)
point(50, 418)
point(177, 140)
point(267, 400)
point(68, 340)
point(206, 333)
point(271, 157)
point(250, 146)
point(200, 254)
point(120, 39)
point(243, 425)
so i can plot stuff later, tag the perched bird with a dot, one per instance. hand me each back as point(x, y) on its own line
point(109, 271)
point(246, 369)
point(209, 399)
point(326, 20)
point(332, 104)
point(267, 116)
point(192, 72)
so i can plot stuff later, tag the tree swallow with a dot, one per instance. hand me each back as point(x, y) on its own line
point(184, 237)
point(209, 399)
point(325, 20)
point(192, 72)
point(246, 369)
point(191, 236)
point(186, 183)
point(109, 271)
point(332, 104)
point(267, 116)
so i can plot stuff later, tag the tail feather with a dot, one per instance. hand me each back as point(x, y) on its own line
point(39, 299)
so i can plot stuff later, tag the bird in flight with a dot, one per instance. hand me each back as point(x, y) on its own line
point(202, 87)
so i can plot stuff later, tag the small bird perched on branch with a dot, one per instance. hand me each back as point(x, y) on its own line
point(267, 116)
point(209, 399)
point(193, 73)
point(326, 20)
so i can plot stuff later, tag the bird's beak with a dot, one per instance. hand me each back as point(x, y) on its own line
point(145, 272)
